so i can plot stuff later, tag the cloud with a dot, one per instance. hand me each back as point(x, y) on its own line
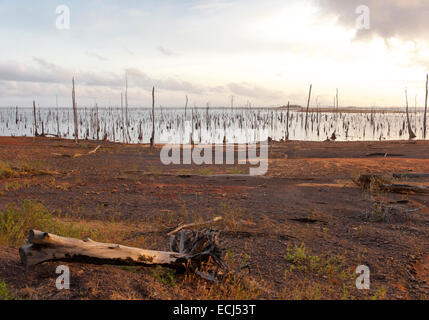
point(254, 91)
point(46, 79)
point(405, 19)
point(96, 56)
point(212, 6)
point(43, 78)
point(141, 79)
point(43, 72)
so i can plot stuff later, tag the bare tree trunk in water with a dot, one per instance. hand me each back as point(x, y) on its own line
point(35, 119)
point(410, 130)
point(426, 108)
point(76, 128)
point(308, 107)
point(152, 140)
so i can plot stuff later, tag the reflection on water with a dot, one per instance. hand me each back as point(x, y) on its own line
point(210, 125)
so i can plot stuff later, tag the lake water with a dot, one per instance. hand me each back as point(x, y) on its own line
point(210, 125)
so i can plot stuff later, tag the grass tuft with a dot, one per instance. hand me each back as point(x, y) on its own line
point(5, 293)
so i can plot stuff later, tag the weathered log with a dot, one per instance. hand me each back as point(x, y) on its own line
point(43, 247)
point(410, 175)
point(404, 189)
point(384, 155)
point(197, 247)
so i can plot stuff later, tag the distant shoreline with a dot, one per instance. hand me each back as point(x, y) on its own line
point(281, 108)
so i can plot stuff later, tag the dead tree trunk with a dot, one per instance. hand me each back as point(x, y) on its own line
point(98, 122)
point(58, 118)
point(287, 121)
point(308, 107)
point(186, 106)
point(47, 247)
point(426, 107)
point(195, 248)
point(76, 128)
point(127, 119)
point(35, 119)
point(124, 136)
point(410, 130)
point(152, 139)
point(337, 101)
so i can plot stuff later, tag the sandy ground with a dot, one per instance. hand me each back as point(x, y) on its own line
point(307, 198)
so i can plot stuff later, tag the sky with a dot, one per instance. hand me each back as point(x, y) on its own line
point(265, 53)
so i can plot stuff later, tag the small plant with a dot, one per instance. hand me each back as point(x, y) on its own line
point(233, 287)
point(24, 168)
point(379, 294)
point(15, 185)
point(205, 172)
point(154, 171)
point(16, 221)
point(6, 170)
point(5, 293)
point(304, 261)
point(236, 170)
point(378, 213)
point(165, 276)
point(132, 269)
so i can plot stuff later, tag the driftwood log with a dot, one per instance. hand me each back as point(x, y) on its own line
point(196, 248)
point(378, 182)
point(77, 155)
point(404, 189)
point(410, 175)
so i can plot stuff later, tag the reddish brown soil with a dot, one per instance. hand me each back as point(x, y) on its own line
point(308, 196)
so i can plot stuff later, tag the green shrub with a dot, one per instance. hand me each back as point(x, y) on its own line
point(165, 276)
point(16, 221)
point(5, 293)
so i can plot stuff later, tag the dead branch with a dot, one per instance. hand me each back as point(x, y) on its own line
point(77, 155)
point(195, 224)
